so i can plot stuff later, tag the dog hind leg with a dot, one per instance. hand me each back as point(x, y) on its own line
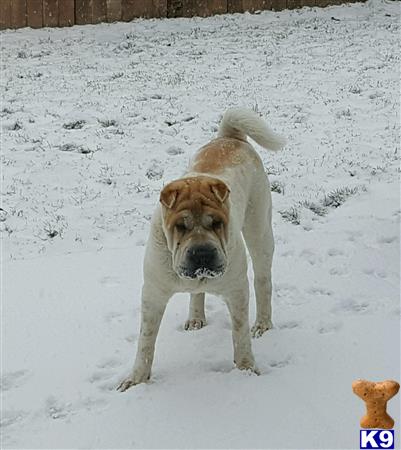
point(258, 235)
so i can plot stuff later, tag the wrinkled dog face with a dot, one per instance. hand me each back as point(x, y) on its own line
point(195, 222)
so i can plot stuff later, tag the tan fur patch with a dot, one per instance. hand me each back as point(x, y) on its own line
point(219, 154)
point(195, 200)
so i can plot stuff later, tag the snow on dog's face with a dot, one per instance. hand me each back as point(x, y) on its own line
point(195, 222)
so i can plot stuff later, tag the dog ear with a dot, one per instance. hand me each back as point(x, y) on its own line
point(220, 190)
point(168, 196)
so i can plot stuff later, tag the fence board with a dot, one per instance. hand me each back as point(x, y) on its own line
point(50, 13)
point(279, 5)
point(174, 8)
point(159, 8)
point(113, 10)
point(66, 13)
point(217, 7)
point(234, 6)
point(99, 10)
point(83, 12)
point(5, 14)
point(256, 5)
point(309, 3)
point(128, 9)
point(200, 8)
point(18, 13)
point(193, 8)
point(34, 13)
point(324, 3)
point(143, 8)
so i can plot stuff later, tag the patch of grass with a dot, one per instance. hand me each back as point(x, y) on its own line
point(51, 232)
point(332, 200)
point(174, 79)
point(155, 171)
point(277, 186)
point(16, 126)
point(76, 125)
point(344, 113)
point(83, 194)
point(68, 147)
point(291, 215)
point(337, 197)
point(117, 75)
point(377, 170)
point(138, 188)
point(355, 89)
point(106, 175)
point(8, 229)
point(53, 227)
point(3, 215)
point(316, 208)
point(85, 150)
point(255, 108)
point(107, 123)
point(175, 150)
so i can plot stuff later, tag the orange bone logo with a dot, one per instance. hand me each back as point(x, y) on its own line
point(376, 396)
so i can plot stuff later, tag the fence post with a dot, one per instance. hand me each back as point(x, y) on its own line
point(99, 11)
point(66, 13)
point(34, 13)
point(113, 10)
point(50, 13)
point(5, 14)
point(234, 6)
point(18, 13)
point(83, 12)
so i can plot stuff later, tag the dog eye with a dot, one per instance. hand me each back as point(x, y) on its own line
point(217, 223)
point(180, 227)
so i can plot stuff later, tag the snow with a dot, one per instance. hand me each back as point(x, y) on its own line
point(95, 120)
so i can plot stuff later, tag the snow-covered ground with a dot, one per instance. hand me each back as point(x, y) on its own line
point(95, 120)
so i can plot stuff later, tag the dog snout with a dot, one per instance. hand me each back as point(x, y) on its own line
point(202, 257)
point(202, 261)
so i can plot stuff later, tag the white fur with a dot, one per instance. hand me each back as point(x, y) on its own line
point(239, 123)
point(250, 218)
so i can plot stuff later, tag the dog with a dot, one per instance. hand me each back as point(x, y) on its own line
point(197, 236)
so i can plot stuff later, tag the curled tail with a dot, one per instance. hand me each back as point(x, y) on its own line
point(239, 123)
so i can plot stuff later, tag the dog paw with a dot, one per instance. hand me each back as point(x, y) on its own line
point(133, 380)
point(194, 324)
point(126, 384)
point(248, 366)
point(260, 327)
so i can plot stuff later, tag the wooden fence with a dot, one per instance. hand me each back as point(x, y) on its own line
point(61, 13)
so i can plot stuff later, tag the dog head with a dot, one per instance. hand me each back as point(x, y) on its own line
point(195, 222)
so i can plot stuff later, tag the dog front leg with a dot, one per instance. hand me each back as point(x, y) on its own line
point(197, 318)
point(238, 306)
point(154, 303)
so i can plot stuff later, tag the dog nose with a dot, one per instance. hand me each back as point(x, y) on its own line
point(202, 256)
